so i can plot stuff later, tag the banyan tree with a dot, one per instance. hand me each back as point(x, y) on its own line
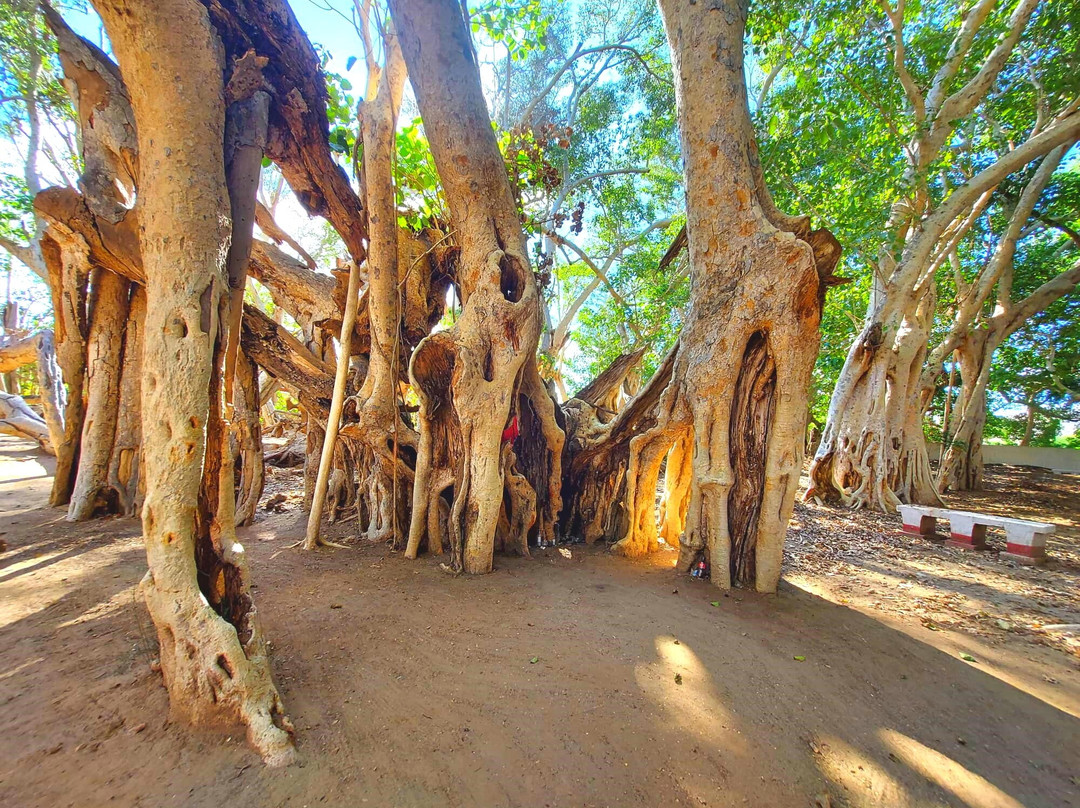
point(442, 440)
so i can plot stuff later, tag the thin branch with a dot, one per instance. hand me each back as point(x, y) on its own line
point(911, 89)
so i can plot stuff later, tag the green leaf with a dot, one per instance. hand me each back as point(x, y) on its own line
point(800, 659)
point(715, 603)
point(534, 660)
point(968, 658)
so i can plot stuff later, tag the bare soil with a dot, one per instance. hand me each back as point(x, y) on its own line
point(574, 678)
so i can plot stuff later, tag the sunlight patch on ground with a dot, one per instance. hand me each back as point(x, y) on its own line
point(21, 667)
point(966, 786)
point(691, 703)
point(865, 781)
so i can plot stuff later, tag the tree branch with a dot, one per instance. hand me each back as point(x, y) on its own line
point(911, 89)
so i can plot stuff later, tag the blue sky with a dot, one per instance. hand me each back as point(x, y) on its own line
point(323, 25)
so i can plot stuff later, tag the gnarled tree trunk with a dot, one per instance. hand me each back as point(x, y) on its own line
point(68, 269)
point(477, 380)
point(735, 387)
point(873, 452)
point(125, 486)
point(962, 466)
point(213, 656)
point(378, 432)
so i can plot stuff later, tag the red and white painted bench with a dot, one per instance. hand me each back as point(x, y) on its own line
point(1025, 540)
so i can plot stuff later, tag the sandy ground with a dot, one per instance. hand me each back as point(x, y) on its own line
point(553, 681)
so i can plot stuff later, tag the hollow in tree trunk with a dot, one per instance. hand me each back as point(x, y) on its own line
point(735, 387)
point(476, 381)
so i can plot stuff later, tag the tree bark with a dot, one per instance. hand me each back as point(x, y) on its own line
point(126, 482)
point(213, 656)
point(873, 452)
point(473, 378)
point(247, 431)
point(109, 301)
point(382, 438)
point(1029, 424)
point(68, 268)
point(735, 387)
point(961, 466)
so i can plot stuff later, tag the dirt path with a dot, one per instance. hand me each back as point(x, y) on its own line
point(412, 688)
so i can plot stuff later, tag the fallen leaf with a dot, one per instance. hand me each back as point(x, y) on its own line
point(800, 659)
point(534, 660)
point(715, 603)
point(968, 658)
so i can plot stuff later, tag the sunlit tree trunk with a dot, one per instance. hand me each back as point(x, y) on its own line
point(212, 653)
point(734, 391)
point(477, 381)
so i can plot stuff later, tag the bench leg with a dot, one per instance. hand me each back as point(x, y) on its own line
point(927, 526)
point(1028, 554)
point(966, 534)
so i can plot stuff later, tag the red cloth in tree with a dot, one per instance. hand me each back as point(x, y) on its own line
point(511, 432)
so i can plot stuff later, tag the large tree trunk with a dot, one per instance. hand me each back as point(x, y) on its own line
point(109, 302)
point(735, 387)
point(213, 656)
point(962, 464)
point(478, 375)
point(873, 452)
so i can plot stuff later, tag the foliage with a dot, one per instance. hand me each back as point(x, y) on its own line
point(834, 127)
point(517, 25)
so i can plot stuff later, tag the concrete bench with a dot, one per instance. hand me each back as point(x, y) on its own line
point(1025, 540)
